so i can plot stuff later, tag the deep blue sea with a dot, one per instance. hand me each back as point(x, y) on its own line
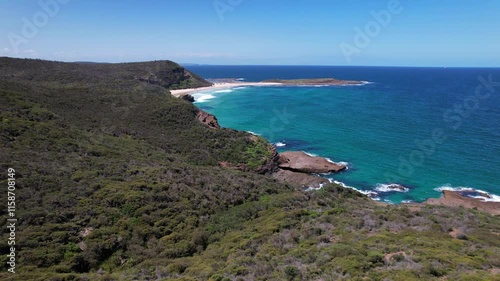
point(425, 128)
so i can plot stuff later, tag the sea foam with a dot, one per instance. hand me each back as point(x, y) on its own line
point(346, 164)
point(369, 193)
point(310, 154)
point(389, 187)
point(223, 91)
point(280, 144)
point(253, 133)
point(472, 191)
point(203, 97)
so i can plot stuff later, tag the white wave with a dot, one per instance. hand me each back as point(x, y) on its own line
point(451, 188)
point(407, 201)
point(240, 79)
point(223, 91)
point(369, 193)
point(387, 201)
point(390, 187)
point(203, 97)
point(280, 144)
point(488, 198)
point(363, 83)
point(338, 163)
point(253, 133)
point(330, 160)
point(492, 198)
point(310, 154)
point(240, 88)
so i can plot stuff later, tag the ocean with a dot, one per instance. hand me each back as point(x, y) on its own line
point(427, 129)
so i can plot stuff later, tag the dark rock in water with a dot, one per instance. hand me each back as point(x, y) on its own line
point(187, 97)
point(303, 163)
point(397, 187)
point(473, 193)
point(208, 119)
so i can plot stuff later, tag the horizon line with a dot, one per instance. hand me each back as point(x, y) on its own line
point(187, 64)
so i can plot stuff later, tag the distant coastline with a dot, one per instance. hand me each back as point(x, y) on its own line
point(220, 86)
point(485, 201)
point(315, 82)
point(231, 83)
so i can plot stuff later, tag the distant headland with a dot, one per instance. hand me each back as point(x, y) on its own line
point(231, 83)
point(315, 82)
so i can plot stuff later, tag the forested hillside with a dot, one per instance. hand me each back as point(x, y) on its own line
point(117, 180)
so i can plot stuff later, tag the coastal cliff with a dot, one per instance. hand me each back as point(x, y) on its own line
point(208, 119)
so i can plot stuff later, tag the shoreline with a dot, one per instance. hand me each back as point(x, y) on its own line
point(461, 199)
point(451, 198)
point(222, 86)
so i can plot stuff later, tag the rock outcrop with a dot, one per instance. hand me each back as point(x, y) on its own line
point(458, 198)
point(391, 187)
point(271, 164)
point(305, 180)
point(187, 97)
point(397, 187)
point(208, 119)
point(297, 167)
point(303, 163)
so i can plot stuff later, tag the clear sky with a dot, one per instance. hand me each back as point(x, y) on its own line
point(308, 32)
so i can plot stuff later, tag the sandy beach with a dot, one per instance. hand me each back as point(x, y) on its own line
point(219, 86)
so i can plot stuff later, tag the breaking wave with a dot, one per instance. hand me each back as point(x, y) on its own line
point(391, 187)
point(471, 193)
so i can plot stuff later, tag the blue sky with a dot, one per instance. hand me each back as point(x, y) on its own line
point(313, 32)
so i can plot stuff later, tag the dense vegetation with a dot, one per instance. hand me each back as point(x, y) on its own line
point(116, 180)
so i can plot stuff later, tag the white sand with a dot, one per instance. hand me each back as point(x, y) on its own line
point(218, 86)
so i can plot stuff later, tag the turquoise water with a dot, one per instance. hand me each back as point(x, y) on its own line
point(391, 130)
